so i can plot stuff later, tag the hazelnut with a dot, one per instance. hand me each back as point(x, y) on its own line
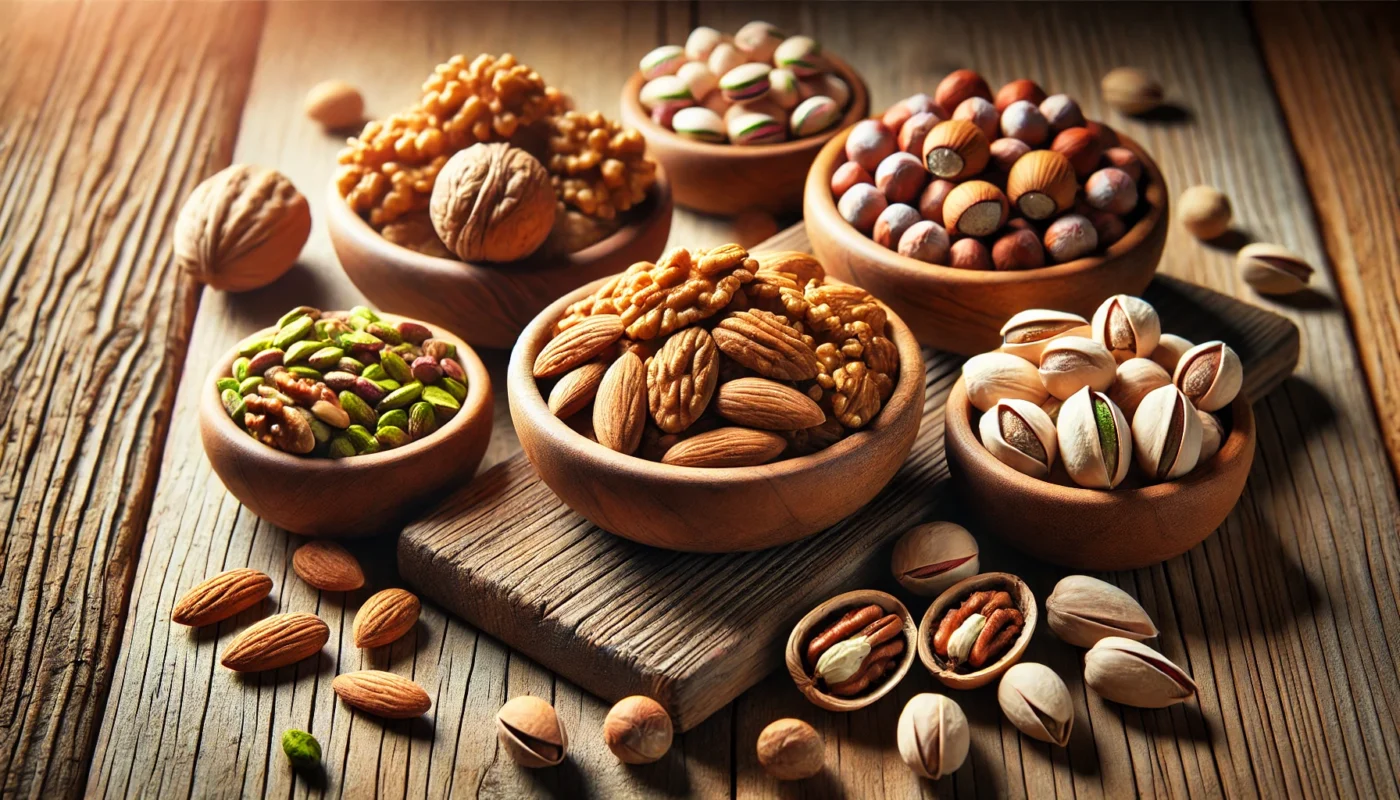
point(638, 730)
point(335, 104)
point(915, 129)
point(1020, 89)
point(1018, 250)
point(847, 175)
point(1131, 90)
point(861, 205)
point(1023, 120)
point(790, 750)
point(241, 228)
point(1204, 211)
point(931, 200)
point(1080, 147)
point(531, 732)
point(869, 143)
point(958, 86)
point(901, 177)
point(980, 112)
point(493, 202)
point(1069, 237)
point(1110, 189)
point(1110, 227)
point(970, 254)
point(1122, 158)
point(1061, 111)
point(892, 223)
point(1106, 135)
point(926, 241)
point(1006, 152)
point(896, 115)
point(956, 150)
point(975, 208)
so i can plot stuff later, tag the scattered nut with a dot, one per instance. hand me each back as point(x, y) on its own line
point(336, 105)
point(638, 730)
point(790, 750)
point(1134, 674)
point(241, 228)
point(1037, 702)
point(1131, 90)
point(1272, 269)
point(930, 558)
point(933, 736)
point(1204, 211)
point(531, 732)
point(302, 749)
point(1082, 610)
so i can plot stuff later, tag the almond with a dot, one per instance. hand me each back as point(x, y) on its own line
point(221, 597)
point(577, 344)
point(328, 566)
point(383, 694)
point(726, 447)
point(275, 642)
point(576, 389)
point(768, 405)
point(620, 408)
point(385, 617)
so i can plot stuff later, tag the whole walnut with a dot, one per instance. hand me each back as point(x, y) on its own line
point(242, 228)
point(493, 202)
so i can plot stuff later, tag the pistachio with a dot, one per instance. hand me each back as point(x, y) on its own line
point(402, 396)
point(443, 402)
point(331, 329)
point(1082, 610)
point(374, 372)
point(359, 411)
point(1272, 269)
point(531, 732)
point(339, 381)
point(439, 349)
point(254, 345)
point(963, 638)
point(1127, 326)
point(1210, 374)
point(398, 418)
point(990, 377)
point(426, 370)
point(225, 384)
point(240, 368)
point(368, 390)
point(260, 363)
point(350, 365)
point(388, 384)
point(301, 748)
point(1212, 434)
point(395, 367)
point(413, 333)
point(320, 431)
point(933, 736)
point(929, 558)
point(299, 311)
point(1070, 363)
point(293, 332)
point(1037, 702)
point(1095, 441)
point(452, 387)
point(362, 440)
point(302, 350)
point(1136, 377)
point(422, 420)
point(233, 404)
point(1134, 674)
point(1020, 435)
point(326, 358)
point(390, 437)
point(452, 369)
point(384, 333)
point(1027, 333)
point(340, 447)
point(250, 385)
point(305, 372)
point(1166, 434)
point(842, 661)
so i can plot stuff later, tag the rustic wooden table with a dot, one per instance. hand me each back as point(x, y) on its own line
point(111, 113)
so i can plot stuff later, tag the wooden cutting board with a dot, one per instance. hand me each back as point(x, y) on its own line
point(694, 631)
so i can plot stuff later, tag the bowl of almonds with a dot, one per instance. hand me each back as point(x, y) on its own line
point(717, 401)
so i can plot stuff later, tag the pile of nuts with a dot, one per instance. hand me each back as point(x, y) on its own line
point(714, 358)
point(341, 384)
point(1099, 392)
point(594, 168)
point(973, 180)
point(759, 86)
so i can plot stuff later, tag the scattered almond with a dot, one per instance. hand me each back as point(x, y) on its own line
point(383, 694)
point(276, 642)
point(385, 617)
point(336, 105)
point(328, 567)
point(221, 597)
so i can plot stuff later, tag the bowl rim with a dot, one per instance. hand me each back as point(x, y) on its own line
point(523, 389)
point(845, 601)
point(475, 403)
point(659, 204)
point(820, 206)
point(858, 108)
point(957, 423)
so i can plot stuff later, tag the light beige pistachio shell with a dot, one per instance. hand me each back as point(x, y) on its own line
point(1027, 333)
point(933, 736)
point(1210, 374)
point(990, 377)
point(1128, 326)
point(1037, 702)
point(1212, 435)
point(1051, 407)
point(1070, 363)
point(1273, 269)
point(930, 558)
point(1134, 674)
point(1136, 377)
point(1021, 436)
point(1166, 434)
point(1170, 349)
point(1082, 610)
point(1096, 454)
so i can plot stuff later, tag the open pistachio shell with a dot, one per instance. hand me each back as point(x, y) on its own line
point(1021, 436)
point(1037, 702)
point(990, 377)
point(1096, 444)
point(1071, 363)
point(1027, 333)
point(1128, 326)
point(1166, 434)
point(1210, 374)
point(1134, 674)
point(929, 558)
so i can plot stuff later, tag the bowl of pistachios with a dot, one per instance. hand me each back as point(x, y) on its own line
point(341, 423)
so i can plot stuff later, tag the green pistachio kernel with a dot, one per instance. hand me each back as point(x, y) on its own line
point(443, 403)
point(293, 332)
point(301, 748)
point(320, 430)
point(394, 364)
point(354, 366)
point(253, 346)
point(359, 411)
point(326, 358)
point(454, 388)
point(240, 367)
point(365, 312)
point(224, 384)
point(347, 340)
point(299, 311)
point(305, 372)
point(396, 418)
point(233, 402)
point(1108, 435)
point(250, 385)
point(362, 439)
point(340, 447)
point(422, 420)
point(402, 396)
point(388, 384)
point(375, 372)
point(302, 350)
point(391, 437)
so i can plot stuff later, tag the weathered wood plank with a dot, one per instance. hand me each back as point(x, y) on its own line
point(110, 114)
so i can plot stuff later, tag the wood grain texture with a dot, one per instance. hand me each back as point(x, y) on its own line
point(110, 113)
point(1336, 69)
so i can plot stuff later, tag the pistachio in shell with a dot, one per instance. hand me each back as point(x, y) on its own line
point(1134, 674)
point(531, 732)
point(932, 557)
point(1082, 610)
point(1037, 702)
point(933, 735)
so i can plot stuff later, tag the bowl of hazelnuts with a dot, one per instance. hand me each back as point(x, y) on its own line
point(962, 208)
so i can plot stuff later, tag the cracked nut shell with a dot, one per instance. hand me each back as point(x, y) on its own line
point(531, 732)
point(929, 558)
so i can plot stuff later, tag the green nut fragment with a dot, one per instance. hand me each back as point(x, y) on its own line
point(408, 350)
point(305, 372)
point(299, 311)
point(240, 367)
point(374, 372)
point(354, 366)
point(293, 332)
point(320, 430)
point(326, 358)
point(340, 447)
point(384, 333)
point(224, 384)
point(402, 396)
point(302, 350)
point(1108, 435)
point(253, 346)
point(443, 403)
point(362, 440)
point(327, 329)
point(422, 420)
point(394, 364)
point(391, 437)
point(454, 388)
point(359, 411)
point(352, 338)
point(397, 418)
point(250, 385)
point(365, 312)
point(233, 403)
point(301, 748)
point(388, 384)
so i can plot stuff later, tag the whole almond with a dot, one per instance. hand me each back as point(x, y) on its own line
point(726, 447)
point(275, 642)
point(768, 405)
point(335, 104)
point(221, 597)
point(576, 389)
point(328, 567)
point(620, 408)
point(385, 617)
point(577, 344)
point(383, 694)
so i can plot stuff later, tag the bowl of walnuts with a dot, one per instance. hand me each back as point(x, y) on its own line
point(489, 198)
point(717, 401)
point(964, 208)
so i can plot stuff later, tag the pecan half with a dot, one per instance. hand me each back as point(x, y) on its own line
point(767, 344)
point(681, 379)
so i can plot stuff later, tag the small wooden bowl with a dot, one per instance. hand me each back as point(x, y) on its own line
point(1025, 601)
point(726, 179)
point(489, 303)
point(1094, 529)
point(962, 310)
point(717, 510)
point(829, 612)
point(358, 496)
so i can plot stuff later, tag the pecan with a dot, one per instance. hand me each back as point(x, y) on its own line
point(957, 616)
point(803, 268)
point(681, 379)
point(1001, 630)
point(274, 423)
point(849, 625)
point(1003, 624)
point(767, 344)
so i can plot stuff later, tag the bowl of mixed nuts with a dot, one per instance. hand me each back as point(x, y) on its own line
point(965, 207)
point(737, 119)
point(489, 198)
point(717, 401)
point(337, 424)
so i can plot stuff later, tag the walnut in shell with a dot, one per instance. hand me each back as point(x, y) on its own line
point(493, 202)
point(242, 228)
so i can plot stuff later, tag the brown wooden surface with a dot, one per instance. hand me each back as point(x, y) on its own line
point(1285, 617)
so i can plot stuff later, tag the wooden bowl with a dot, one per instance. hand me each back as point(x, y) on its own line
point(828, 613)
point(962, 310)
point(726, 179)
point(954, 596)
point(1095, 529)
point(350, 497)
point(488, 303)
point(712, 510)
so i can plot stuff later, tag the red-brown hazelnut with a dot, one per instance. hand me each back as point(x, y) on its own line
point(1020, 89)
point(969, 254)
